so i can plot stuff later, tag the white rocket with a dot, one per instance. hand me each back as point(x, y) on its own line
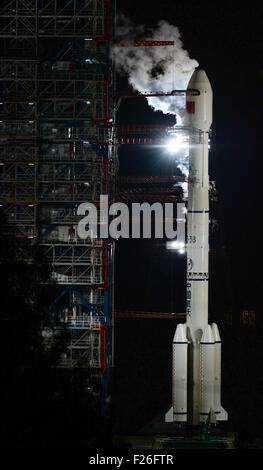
point(196, 369)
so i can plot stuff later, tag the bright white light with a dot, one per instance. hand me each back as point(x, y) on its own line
point(176, 143)
point(176, 245)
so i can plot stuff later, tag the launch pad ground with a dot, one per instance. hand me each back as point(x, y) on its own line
point(160, 435)
point(144, 441)
point(173, 442)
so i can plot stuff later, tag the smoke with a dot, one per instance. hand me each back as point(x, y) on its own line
point(183, 165)
point(157, 68)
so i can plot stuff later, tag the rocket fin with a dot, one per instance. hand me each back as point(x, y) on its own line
point(223, 416)
point(169, 416)
point(212, 417)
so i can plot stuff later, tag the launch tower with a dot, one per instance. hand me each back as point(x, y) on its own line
point(57, 88)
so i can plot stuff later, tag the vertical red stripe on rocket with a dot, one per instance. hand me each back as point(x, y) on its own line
point(190, 106)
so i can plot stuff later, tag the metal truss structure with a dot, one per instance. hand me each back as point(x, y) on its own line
point(135, 188)
point(56, 105)
point(150, 315)
point(141, 179)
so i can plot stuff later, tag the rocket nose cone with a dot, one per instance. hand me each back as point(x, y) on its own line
point(216, 332)
point(199, 80)
point(180, 334)
point(208, 336)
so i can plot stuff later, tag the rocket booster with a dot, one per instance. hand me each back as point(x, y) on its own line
point(196, 366)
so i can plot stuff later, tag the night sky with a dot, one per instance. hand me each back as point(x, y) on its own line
point(226, 41)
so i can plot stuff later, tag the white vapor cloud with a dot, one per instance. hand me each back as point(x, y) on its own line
point(157, 68)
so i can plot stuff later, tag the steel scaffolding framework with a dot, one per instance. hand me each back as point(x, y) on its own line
point(56, 106)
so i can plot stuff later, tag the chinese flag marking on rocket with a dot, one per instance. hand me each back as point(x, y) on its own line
point(190, 106)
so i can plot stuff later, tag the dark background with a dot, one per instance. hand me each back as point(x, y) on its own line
point(43, 408)
point(226, 41)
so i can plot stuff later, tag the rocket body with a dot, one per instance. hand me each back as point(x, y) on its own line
point(203, 364)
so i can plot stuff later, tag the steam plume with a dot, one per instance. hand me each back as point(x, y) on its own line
point(157, 68)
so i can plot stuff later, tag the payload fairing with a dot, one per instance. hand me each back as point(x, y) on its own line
point(196, 369)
